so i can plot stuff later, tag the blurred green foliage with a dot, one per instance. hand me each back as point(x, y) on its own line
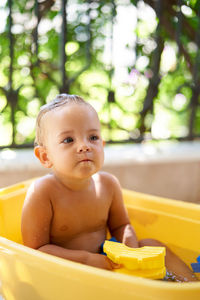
point(32, 76)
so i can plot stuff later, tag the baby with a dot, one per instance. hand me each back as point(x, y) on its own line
point(67, 213)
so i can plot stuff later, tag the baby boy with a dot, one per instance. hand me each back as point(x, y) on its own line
point(67, 213)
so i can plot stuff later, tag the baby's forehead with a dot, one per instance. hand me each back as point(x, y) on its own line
point(71, 108)
point(74, 111)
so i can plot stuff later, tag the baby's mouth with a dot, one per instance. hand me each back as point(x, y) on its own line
point(85, 160)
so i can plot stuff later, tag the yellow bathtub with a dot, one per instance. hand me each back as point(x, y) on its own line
point(27, 274)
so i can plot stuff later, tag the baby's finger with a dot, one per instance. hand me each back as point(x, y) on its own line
point(114, 265)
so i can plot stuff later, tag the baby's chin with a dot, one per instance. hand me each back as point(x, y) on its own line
point(86, 173)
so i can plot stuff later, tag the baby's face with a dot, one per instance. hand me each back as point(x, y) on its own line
point(73, 141)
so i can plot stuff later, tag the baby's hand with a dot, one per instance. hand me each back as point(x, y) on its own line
point(101, 261)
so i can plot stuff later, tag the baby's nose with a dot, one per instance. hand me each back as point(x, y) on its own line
point(83, 148)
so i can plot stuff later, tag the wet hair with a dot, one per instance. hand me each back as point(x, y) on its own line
point(60, 100)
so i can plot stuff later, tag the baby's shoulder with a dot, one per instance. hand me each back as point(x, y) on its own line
point(40, 187)
point(107, 178)
point(38, 199)
point(44, 182)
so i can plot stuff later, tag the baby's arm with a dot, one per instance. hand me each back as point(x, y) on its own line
point(36, 222)
point(119, 223)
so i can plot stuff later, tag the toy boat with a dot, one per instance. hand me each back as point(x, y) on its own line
point(28, 274)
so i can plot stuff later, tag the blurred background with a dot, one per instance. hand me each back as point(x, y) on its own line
point(136, 62)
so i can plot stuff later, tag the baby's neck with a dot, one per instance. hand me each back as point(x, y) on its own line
point(75, 185)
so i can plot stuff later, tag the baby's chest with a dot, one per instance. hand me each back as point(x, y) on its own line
point(78, 215)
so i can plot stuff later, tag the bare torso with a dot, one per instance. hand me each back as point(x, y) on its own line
point(79, 219)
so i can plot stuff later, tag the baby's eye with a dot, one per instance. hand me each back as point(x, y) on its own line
point(68, 140)
point(94, 137)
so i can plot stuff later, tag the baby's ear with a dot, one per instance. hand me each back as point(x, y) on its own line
point(104, 143)
point(41, 154)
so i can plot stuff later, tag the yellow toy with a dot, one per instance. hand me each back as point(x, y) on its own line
point(148, 262)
